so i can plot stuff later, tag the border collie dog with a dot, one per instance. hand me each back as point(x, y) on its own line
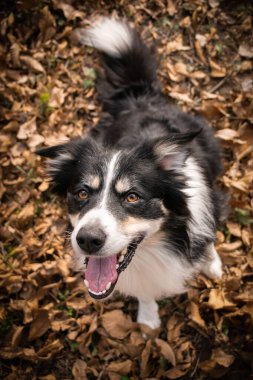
point(141, 186)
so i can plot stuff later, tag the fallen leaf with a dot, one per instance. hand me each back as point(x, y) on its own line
point(245, 51)
point(32, 64)
point(227, 134)
point(122, 368)
point(195, 315)
point(79, 370)
point(166, 351)
point(117, 324)
point(218, 300)
point(39, 325)
point(27, 129)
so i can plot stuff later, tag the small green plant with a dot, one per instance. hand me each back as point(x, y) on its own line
point(45, 109)
point(243, 216)
point(73, 346)
point(71, 311)
point(62, 296)
point(218, 47)
point(90, 77)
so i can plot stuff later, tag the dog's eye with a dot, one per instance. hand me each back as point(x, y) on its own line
point(82, 195)
point(132, 198)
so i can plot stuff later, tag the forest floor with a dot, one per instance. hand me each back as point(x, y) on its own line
point(50, 329)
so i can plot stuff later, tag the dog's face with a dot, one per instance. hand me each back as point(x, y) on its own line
point(116, 199)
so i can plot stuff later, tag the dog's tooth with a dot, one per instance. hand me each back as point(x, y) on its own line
point(95, 293)
point(117, 266)
point(103, 292)
point(86, 283)
point(108, 286)
point(124, 252)
point(121, 258)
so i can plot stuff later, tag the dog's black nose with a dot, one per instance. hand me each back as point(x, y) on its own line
point(90, 241)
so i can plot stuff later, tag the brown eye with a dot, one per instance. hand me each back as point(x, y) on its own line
point(82, 195)
point(132, 198)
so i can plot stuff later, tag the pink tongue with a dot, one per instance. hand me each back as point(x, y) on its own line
point(101, 271)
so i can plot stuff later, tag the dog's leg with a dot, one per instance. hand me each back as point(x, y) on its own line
point(212, 267)
point(148, 314)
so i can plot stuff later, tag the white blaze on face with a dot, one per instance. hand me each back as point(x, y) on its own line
point(108, 180)
point(101, 216)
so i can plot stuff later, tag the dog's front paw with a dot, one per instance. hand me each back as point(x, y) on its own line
point(214, 270)
point(213, 267)
point(153, 323)
point(148, 314)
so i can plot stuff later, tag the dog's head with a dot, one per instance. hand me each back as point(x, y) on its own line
point(117, 199)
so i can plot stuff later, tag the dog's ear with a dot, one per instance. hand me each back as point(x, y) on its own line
point(51, 152)
point(171, 152)
point(63, 160)
point(60, 165)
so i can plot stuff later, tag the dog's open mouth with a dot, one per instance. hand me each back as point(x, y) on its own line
point(102, 274)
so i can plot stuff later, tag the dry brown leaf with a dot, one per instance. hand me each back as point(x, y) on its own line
point(182, 97)
point(195, 315)
point(79, 370)
point(234, 229)
point(218, 73)
point(117, 324)
point(47, 24)
point(222, 357)
point(176, 45)
point(245, 51)
point(122, 368)
point(175, 373)
point(39, 325)
point(27, 213)
point(17, 336)
point(227, 134)
point(47, 377)
point(27, 129)
point(32, 64)
point(166, 351)
point(47, 351)
point(35, 140)
point(230, 247)
point(171, 8)
point(44, 186)
point(218, 300)
point(57, 97)
point(68, 10)
point(15, 52)
point(145, 356)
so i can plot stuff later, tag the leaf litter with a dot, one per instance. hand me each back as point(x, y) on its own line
point(49, 327)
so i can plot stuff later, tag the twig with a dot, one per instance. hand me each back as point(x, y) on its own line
point(218, 85)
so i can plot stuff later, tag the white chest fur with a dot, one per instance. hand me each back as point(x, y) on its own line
point(154, 272)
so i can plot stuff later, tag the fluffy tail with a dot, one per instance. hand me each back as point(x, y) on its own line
point(130, 66)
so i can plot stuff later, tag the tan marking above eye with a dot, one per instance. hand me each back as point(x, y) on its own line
point(122, 185)
point(94, 182)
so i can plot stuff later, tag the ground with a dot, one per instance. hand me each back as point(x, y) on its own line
point(49, 327)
